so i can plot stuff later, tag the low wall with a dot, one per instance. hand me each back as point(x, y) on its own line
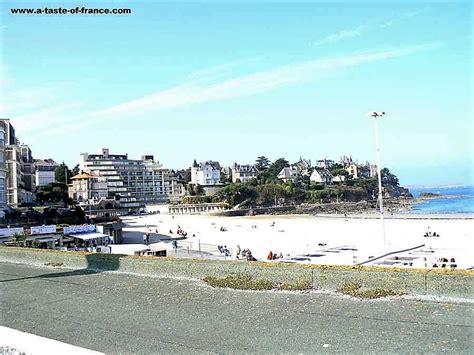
point(332, 208)
point(440, 282)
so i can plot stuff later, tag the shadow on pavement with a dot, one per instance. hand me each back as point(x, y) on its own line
point(96, 263)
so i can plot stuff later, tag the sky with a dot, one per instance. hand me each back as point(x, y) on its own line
point(230, 81)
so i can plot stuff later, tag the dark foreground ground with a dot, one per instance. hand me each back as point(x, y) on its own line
point(121, 313)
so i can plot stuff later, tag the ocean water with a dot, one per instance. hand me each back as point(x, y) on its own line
point(461, 200)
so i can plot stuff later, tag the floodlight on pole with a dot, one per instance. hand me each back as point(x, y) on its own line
point(376, 115)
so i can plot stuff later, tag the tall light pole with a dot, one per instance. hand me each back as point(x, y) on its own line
point(376, 115)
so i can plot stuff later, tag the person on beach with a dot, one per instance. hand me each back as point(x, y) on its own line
point(270, 255)
point(144, 239)
point(237, 252)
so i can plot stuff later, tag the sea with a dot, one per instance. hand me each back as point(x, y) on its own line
point(458, 199)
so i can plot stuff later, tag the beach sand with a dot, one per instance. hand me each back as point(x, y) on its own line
point(294, 235)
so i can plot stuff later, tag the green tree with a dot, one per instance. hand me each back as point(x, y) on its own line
point(268, 194)
point(190, 188)
point(235, 194)
point(369, 185)
point(225, 179)
point(195, 189)
point(388, 178)
point(274, 169)
point(62, 171)
point(336, 166)
point(262, 163)
point(339, 172)
point(55, 192)
point(199, 189)
point(19, 239)
point(75, 171)
point(253, 182)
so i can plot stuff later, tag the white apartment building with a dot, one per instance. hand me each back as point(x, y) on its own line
point(206, 173)
point(132, 183)
point(18, 167)
point(45, 171)
point(3, 164)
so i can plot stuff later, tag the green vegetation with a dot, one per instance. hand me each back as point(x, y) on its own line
point(19, 239)
point(53, 193)
point(196, 199)
point(299, 285)
point(241, 281)
point(270, 174)
point(268, 190)
point(237, 193)
point(356, 290)
point(262, 163)
point(63, 173)
point(294, 193)
point(388, 178)
point(195, 190)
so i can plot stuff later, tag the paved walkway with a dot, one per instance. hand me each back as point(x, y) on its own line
point(113, 313)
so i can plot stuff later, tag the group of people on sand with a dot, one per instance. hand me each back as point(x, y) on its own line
point(430, 234)
point(223, 250)
point(181, 232)
point(443, 262)
point(245, 254)
point(273, 256)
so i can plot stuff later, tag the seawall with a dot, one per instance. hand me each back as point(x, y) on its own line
point(437, 282)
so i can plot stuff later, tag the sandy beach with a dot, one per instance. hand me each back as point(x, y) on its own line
point(294, 235)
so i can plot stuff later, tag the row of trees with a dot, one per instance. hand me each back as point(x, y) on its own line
point(268, 190)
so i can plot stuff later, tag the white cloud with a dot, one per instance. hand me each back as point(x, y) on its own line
point(402, 17)
point(191, 93)
point(344, 34)
point(361, 29)
point(49, 110)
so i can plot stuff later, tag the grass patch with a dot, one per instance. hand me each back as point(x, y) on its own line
point(356, 290)
point(241, 281)
point(299, 285)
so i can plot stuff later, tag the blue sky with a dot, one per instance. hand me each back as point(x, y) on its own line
point(230, 81)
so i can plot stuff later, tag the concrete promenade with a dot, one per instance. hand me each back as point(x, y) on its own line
point(111, 312)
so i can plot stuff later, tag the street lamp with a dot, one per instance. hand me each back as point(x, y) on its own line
point(376, 115)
